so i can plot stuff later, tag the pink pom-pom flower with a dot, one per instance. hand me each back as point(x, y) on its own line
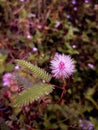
point(62, 66)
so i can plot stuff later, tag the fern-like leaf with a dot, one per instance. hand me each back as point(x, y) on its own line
point(42, 74)
point(32, 94)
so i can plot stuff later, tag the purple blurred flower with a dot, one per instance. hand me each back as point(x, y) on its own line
point(68, 16)
point(34, 49)
point(75, 8)
point(86, 125)
point(29, 36)
point(86, 1)
point(57, 24)
point(62, 66)
point(91, 66)
point(22, 0)
point(43, 81)
point(7, 79)
point(10, 82)
point(74, 46)
point(73, 2)
point(16, 67)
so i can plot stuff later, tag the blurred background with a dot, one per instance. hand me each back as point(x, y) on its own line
point(35, 30)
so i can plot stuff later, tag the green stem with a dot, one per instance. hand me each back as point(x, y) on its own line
point(93, 101)
point(63, 91)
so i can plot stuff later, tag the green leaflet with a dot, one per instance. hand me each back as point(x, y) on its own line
point(35, 70)
point(32, 94)
point(34, 89)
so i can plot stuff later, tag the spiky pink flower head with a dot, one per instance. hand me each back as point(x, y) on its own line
point(62, 66)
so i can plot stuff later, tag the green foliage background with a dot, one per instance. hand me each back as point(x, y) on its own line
point(54, 26)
